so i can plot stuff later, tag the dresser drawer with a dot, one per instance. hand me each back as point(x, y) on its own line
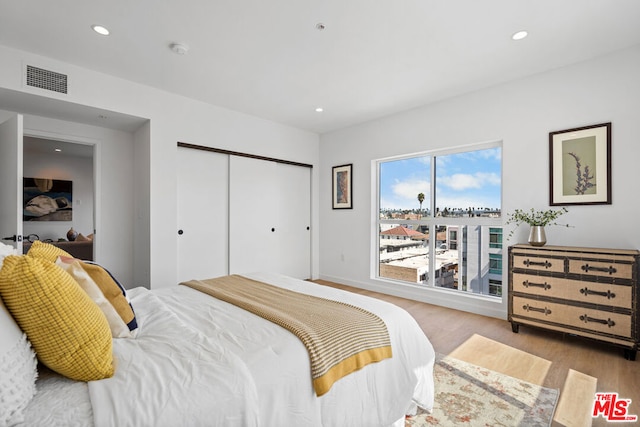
point(574, 290)
point(532, 263)
point(578, 317)
point(600, 268)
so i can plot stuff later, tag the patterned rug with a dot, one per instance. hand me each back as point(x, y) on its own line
point(469, 395)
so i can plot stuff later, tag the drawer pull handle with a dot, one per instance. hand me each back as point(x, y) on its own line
point(546, 264)
point(545, 310)
point(544, 285)
point(587, 292)
point(587, 319)
point(609, 269)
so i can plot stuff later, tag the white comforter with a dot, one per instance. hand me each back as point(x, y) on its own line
point(198, 361)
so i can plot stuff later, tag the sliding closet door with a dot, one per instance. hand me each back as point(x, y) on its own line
point(268, 218)
point(203, 194)
point(252, 220)
point(294, 220)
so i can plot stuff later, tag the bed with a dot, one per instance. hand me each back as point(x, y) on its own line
point(196, 360)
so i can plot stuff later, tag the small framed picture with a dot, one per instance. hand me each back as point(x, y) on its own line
point(342, 194)
point(580, 166)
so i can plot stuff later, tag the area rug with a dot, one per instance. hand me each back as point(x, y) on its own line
point(502, 358)
point(576, 398)
point(469, 395)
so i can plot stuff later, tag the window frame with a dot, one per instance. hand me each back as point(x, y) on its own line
point(430, 220)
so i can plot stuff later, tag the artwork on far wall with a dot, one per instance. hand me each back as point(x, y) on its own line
point(342, 193)
point(47, 199)
point(580, 166)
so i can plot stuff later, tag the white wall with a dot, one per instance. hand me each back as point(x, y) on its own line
point(172, 118)
point(521, 114)
point(78, 170)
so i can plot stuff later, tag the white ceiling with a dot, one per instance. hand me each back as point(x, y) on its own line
point(48, 147)
point(374, 57)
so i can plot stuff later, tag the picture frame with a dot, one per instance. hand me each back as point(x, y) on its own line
point(580, 166)
point(46, 199)
point(342, 186)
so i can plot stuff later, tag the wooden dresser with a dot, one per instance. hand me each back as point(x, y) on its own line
point(587, 292)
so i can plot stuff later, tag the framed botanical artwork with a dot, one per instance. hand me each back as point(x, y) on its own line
point(342, 194)
point(580, 166)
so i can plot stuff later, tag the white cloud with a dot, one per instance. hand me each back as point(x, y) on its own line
point(489, 178)
point(461, 181)
point(404, 194)
point(409, 190)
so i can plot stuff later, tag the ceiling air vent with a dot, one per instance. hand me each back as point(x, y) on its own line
point(46, 79)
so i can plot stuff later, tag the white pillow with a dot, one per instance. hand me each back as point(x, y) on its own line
point(18, 369)
point(119, 329)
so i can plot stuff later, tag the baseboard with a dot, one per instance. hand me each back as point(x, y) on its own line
point(442, 297)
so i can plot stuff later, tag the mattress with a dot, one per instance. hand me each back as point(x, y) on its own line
point(200, 361)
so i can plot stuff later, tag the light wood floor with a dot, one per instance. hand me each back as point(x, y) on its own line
point(447, 329)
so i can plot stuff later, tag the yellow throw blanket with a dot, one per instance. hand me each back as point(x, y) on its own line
point(339, 337)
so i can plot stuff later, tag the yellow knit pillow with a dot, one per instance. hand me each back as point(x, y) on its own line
point(66, 328)
point(111, 289)
point(46, 251)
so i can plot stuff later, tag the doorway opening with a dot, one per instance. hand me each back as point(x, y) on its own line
point(59, 186)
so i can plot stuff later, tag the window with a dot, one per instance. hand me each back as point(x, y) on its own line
point(453, 239)
point(495, 237)
point(439, 220)
point(495, 264)
point(495, 287)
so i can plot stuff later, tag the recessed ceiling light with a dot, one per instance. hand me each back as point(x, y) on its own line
point(319, 110)
point(519, 35)
point(58, 150)
point(103, 31)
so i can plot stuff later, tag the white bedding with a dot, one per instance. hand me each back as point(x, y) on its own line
point(198, 361)
point(58, 401)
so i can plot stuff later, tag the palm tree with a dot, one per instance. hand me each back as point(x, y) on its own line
point(420, 199)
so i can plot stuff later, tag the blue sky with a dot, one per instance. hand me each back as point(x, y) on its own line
point(465, 179)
